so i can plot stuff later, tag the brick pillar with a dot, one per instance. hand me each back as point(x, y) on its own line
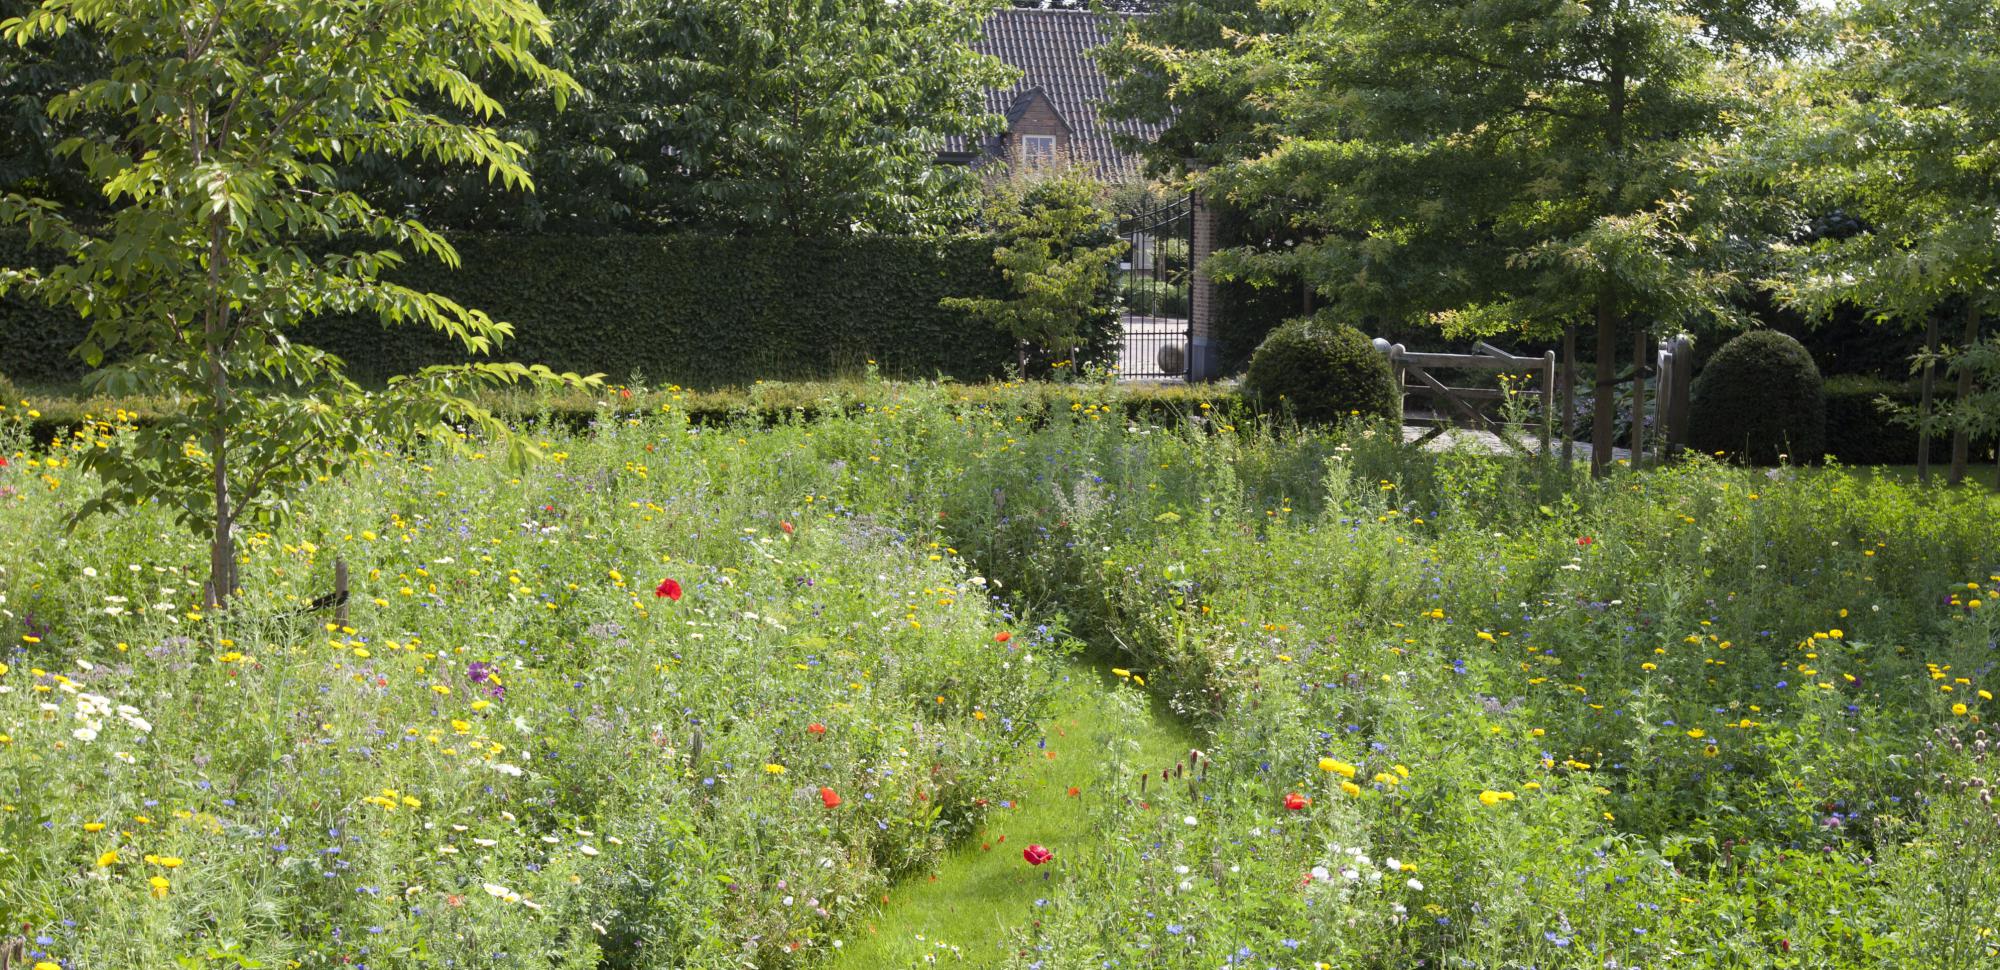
point(1204, 357)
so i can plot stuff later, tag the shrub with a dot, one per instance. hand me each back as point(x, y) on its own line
point(684, 308)
point(1759, 397)
point(1321, 370)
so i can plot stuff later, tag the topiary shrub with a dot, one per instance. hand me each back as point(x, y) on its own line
point(1760, 397)
point(1321, 370)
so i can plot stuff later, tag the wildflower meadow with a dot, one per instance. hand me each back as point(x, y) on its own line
point(997, 682)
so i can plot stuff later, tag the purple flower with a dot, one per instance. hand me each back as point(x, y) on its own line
point(479, 671)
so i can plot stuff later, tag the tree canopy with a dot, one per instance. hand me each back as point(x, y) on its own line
point(224, 123)
point(797, 116)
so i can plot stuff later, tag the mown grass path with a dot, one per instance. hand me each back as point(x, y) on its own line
point(961, 913)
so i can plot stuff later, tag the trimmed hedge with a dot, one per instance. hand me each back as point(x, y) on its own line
point(766, 403)
point(1322, 370)
point(700, 311)
point(1760, 397)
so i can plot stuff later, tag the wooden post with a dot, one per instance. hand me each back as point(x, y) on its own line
point(1396, 370)
point(340, 592)
point(1569, 394)
point(1639, 360)
point(1548, 401)
point(1924, 399)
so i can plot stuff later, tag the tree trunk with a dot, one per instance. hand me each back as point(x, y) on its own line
point(1638, 399)
point(1569, 394)
point(1924, 401)
point(1961, 438)
point(1604, 401)
point(215, 327)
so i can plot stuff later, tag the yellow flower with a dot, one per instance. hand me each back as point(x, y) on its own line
point(440, 689)
point(1649, 666)
point(1697, 733)
point(774, 769)
point(1958, 709)
point(45, 965)
point(93, 826)
point(1489, 798)
point(1351, 788)
point(108, 859)
point(1340, 768)
point(159, 884)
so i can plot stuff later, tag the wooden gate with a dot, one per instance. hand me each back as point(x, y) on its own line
point(1467, 407)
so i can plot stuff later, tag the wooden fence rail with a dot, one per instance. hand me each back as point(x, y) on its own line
point(1671, 370)
point(1466, 407)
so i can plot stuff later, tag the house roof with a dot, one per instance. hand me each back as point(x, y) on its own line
point(1052, 50)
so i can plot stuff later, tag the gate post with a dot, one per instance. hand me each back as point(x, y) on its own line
point(1204, 356)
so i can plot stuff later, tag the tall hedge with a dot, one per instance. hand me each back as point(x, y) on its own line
point(695, 310)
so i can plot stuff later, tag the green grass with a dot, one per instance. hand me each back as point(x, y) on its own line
point(983, 892)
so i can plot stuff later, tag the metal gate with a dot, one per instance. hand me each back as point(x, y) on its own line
point(1156, 281)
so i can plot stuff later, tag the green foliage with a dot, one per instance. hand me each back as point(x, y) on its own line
point(1701, 695)
point(220, 168)
point(30, 162)
point(1898, 130)
point(1057, 244)
point(1557, 128)
point(1174, 67)
point(706, 311)
point(804, 117)
point(1759, 398)
point(574, 766)
point(691, 309)
point(1320, 370)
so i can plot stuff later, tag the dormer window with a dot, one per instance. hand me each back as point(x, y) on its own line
point(1038, 151)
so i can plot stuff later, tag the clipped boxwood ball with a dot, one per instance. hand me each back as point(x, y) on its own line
point(1759, 397)
point(1320, 370)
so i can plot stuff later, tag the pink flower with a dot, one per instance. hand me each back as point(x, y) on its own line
point(1036, 855)
point(670, 589)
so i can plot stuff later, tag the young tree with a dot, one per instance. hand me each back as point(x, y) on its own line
point(1502, 165)
point(1057, 248)
point(1899, 129)
point(228, 227)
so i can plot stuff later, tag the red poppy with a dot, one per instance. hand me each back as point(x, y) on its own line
point(1036, 855)
point(816, 728)
point(1074, 791)
point(785, 527)
point(625, 392)
point(1584, 540)
point(670, 589)
point(1296, 801)
point(829, 797)
point(3, 461)
point(1002, 637)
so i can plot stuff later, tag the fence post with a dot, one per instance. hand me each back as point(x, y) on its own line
point(1548, 400)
